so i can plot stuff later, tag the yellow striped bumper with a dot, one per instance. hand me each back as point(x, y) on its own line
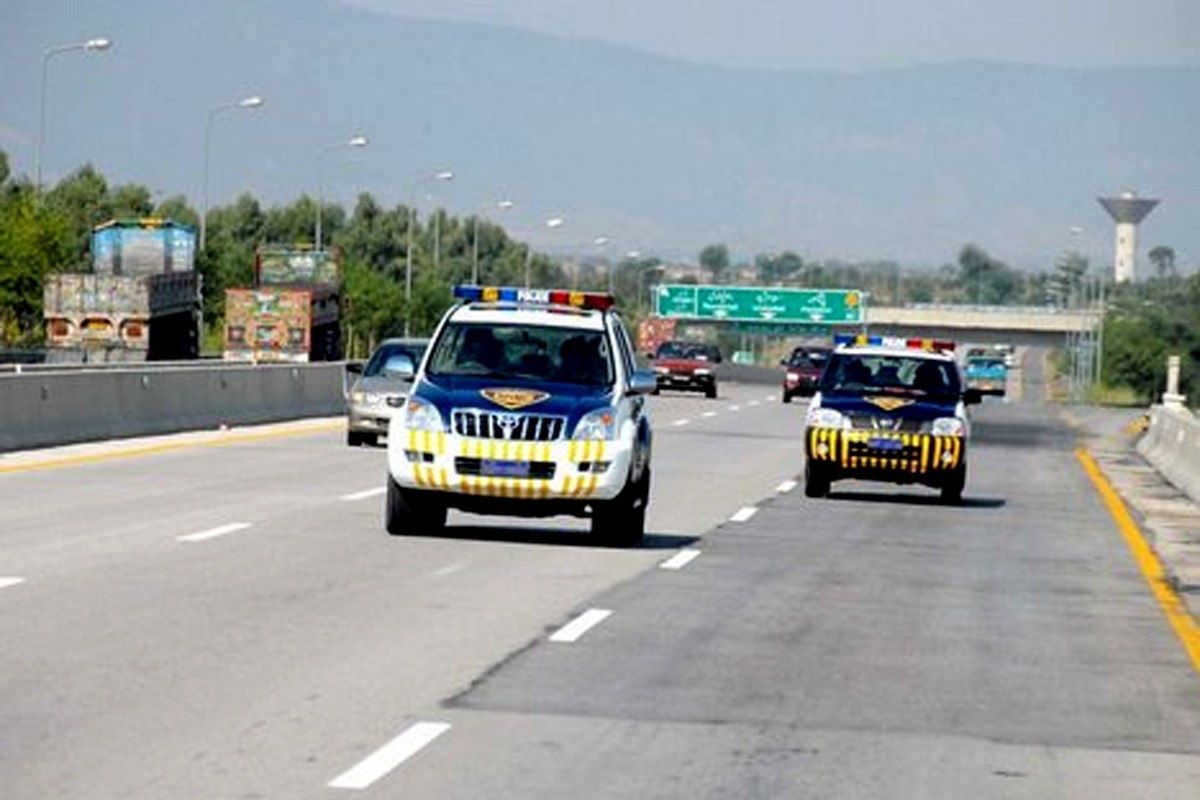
point(558, 470)
point(884, 451)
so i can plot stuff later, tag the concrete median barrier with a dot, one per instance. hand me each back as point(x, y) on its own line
point(43, 409)
point(1172, 446)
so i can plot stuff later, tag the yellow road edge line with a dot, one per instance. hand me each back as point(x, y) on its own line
point(1176, 611)
point(165, 447)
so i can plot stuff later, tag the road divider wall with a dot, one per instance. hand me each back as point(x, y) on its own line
point(1172, 446)
point(43, 409)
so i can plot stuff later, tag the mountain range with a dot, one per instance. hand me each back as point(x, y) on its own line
point(655, 155)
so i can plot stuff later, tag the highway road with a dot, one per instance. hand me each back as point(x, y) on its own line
point(224, 617)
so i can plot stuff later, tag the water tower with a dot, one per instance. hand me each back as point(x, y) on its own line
point(1127, 211)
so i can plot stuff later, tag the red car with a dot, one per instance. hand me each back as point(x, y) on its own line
point(687, 366)
point(802, 370)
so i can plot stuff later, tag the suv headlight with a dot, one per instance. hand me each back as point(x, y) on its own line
point(826, 418)
point(421, 415)
point(600, 424)
point(949, 426)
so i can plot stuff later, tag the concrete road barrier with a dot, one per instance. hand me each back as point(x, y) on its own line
point(43, 409)
point(1172, 446)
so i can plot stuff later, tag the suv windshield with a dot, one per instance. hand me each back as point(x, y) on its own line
point(854, 373)
point(535, 353)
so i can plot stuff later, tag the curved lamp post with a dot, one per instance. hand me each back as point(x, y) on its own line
point(357, 141)
point(47, 54)
point(253, 101)
point(503, 205)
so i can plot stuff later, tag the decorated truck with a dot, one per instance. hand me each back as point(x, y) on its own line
point(139, 300)
point(292, 313)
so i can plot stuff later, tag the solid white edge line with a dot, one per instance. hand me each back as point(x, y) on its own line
point(364, 494)
point(786, 487)
point(580, 625)
point(744, 514)
point(680, 559)
point(390, 756)
point(7, 582)
point(213, 533)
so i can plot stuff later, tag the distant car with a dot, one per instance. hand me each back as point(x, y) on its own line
point(686, 366)
point(802, 370)
point(986, 372)
point(380, 387)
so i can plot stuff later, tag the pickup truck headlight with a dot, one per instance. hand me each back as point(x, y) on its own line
point(600, 424)
point(827, 418)
point(949, 426)
point(421, 415)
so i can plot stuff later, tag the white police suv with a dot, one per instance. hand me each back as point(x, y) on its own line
point(528, 403)
point(889, 409)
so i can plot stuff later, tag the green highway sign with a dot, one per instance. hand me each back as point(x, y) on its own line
point(760, 304)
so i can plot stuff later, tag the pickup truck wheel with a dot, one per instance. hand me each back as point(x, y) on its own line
point(354, 438)
point(711, 393)
point(787, 398)
point(816, 480)
point(409, 515)
point(621, 522)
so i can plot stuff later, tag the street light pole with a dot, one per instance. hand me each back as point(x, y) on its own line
point(47, 54)
point(553, 222)
point(601, 243)
point(502, 205)
point(253, 101)
point(444, 175)
point(357, 141)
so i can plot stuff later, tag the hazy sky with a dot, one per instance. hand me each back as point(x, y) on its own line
point(853, 34)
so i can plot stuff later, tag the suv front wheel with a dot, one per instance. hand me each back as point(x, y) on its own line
point(408, 514)
point(621, 522)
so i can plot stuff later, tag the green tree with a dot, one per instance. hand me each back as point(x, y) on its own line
point(34, 241)
point(1163, 259)
point(714, 259)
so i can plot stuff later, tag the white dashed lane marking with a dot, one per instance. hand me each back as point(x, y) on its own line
point(7, 582)
point(680, 559)
point(744, 514)
point(785, 487)
point(365, 494)
point(580, 625)
point(680, 422)
point(390, 756)
point(213, 533)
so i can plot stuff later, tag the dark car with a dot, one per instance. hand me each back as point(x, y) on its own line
point(686, 366)
point(802, 370)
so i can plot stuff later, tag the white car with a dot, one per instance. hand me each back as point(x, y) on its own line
point(528, 404)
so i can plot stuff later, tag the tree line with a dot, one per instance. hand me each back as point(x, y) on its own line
point(386, 248)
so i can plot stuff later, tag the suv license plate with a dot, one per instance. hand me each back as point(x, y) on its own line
point(505, 469)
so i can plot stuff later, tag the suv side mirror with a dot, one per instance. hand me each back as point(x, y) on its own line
point(642, 381)
point(972, 397)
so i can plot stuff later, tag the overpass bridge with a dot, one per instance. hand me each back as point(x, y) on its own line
point(1033, 326)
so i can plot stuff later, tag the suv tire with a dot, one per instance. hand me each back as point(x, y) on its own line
point(816, 480)
point(408, 515)
point(621, 522)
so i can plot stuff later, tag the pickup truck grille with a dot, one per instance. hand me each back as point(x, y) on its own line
point(512, 427)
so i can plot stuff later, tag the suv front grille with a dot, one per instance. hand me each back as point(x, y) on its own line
point(873, 422)
point(506, 426)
